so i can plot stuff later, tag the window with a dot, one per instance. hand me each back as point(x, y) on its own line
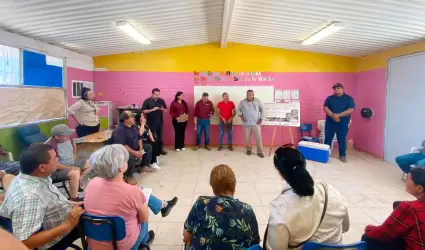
point(78, 85)
point(41, 70)
point(9, 66)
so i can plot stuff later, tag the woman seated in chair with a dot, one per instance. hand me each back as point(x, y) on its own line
point(221, 222)
point(150, 158)
point(405, 227)
point(304, 211)
point(109, 195)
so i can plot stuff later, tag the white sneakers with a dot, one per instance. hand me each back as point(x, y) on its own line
point(155, 166)
point(178, 150)
point(183, 149)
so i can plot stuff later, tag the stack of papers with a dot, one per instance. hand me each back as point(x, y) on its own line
point(147, 192)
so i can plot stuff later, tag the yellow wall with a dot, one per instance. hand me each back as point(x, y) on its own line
point(379, 60)
point(236, 57)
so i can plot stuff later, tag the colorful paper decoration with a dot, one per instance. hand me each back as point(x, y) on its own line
point(201, 78)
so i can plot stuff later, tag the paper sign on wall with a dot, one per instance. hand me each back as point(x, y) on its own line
point(277, 95)
point(295, 94)
point(286, 94)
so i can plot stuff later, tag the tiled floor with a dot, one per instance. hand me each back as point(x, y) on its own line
point(369, 185)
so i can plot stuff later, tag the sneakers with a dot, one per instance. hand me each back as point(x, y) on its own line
point(155, 166)
point(163, 152)
point(178, 150)
point(157, 160)
point(343, 159)
point(207, 148)
point(248, 152)
point(196, 148)
point(183, 149)
point(261, 155)
point(230, 148)
point(146, 245)
point(166, 210)
point(145, 169)
point(220, 148)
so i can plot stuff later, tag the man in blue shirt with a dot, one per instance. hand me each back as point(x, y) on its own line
point(338, 108)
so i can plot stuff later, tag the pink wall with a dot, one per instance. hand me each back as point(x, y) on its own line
point(124, 88)
point(370, 92)
point(75, 74)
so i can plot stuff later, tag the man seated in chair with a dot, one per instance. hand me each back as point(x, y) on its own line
point(41, 216)
point(69, 166)
point(406, 161)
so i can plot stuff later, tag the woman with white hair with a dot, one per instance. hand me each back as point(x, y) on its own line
point(109, 195)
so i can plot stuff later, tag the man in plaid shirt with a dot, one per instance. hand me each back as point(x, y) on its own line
point(405, 227)
point(41, 216)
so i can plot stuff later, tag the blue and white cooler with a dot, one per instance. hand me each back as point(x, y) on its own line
point(314, 151)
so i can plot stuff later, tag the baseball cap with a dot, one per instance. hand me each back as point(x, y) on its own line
point(205, 94)
point(125, 115)
point(61, 130)
point(338, 85)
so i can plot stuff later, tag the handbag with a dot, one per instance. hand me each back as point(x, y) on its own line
point(321, 219)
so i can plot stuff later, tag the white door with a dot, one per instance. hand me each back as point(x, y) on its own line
point(405, 117)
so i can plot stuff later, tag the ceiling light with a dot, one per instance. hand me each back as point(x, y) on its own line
point(331, 28)
point(131, 31)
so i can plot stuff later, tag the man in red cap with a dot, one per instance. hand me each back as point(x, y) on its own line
point(338, 108)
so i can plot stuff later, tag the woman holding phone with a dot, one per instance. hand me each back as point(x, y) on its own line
point(179, 112)
point(86, 113)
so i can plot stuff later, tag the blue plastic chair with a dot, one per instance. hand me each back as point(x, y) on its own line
point(255, 247)
point(103, 228)
point(318, 246)
point(307, 128)
point(6, 224)
point(31, 134)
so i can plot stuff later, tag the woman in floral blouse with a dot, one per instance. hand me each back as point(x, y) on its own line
point(221, 222)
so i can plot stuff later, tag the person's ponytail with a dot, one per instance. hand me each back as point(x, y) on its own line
point(291, 165)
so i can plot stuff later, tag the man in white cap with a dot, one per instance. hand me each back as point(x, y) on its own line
point(69, 166)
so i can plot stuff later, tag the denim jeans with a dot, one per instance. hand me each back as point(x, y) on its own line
point(154, 204)
point(143, 236)
point(341, 130)
point(406, 161)
point(203, 126)
point(223, 128)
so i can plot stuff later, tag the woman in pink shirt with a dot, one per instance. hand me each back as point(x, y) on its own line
point(109, 195)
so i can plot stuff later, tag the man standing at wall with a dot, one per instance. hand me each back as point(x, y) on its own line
point(204, 109)
point(338, 108)
point(226, 112)
point(154, 107)
point(250, 111)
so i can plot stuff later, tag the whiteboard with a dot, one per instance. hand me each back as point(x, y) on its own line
point(405, 122)
point(236, 94)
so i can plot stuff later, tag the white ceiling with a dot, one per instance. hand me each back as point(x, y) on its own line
point(88, 26)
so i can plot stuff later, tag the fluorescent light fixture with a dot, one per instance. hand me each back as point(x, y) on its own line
point(331, 28)
point(131, 31)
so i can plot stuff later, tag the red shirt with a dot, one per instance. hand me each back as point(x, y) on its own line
point(226, 109)
point(203, 109)
point(406, 221)
point(177, 109)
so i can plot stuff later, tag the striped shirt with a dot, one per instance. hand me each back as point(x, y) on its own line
point(34, 203)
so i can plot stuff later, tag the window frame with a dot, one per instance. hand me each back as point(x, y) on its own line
point(21, 84)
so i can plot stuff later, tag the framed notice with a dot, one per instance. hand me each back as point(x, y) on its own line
point(282, 114)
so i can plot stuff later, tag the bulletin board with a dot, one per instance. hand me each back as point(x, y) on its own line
point(236, 94)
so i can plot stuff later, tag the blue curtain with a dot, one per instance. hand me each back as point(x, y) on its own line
point(38, 73)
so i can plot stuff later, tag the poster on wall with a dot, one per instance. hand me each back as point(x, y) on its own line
point(282, 114)
point(277, 95)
